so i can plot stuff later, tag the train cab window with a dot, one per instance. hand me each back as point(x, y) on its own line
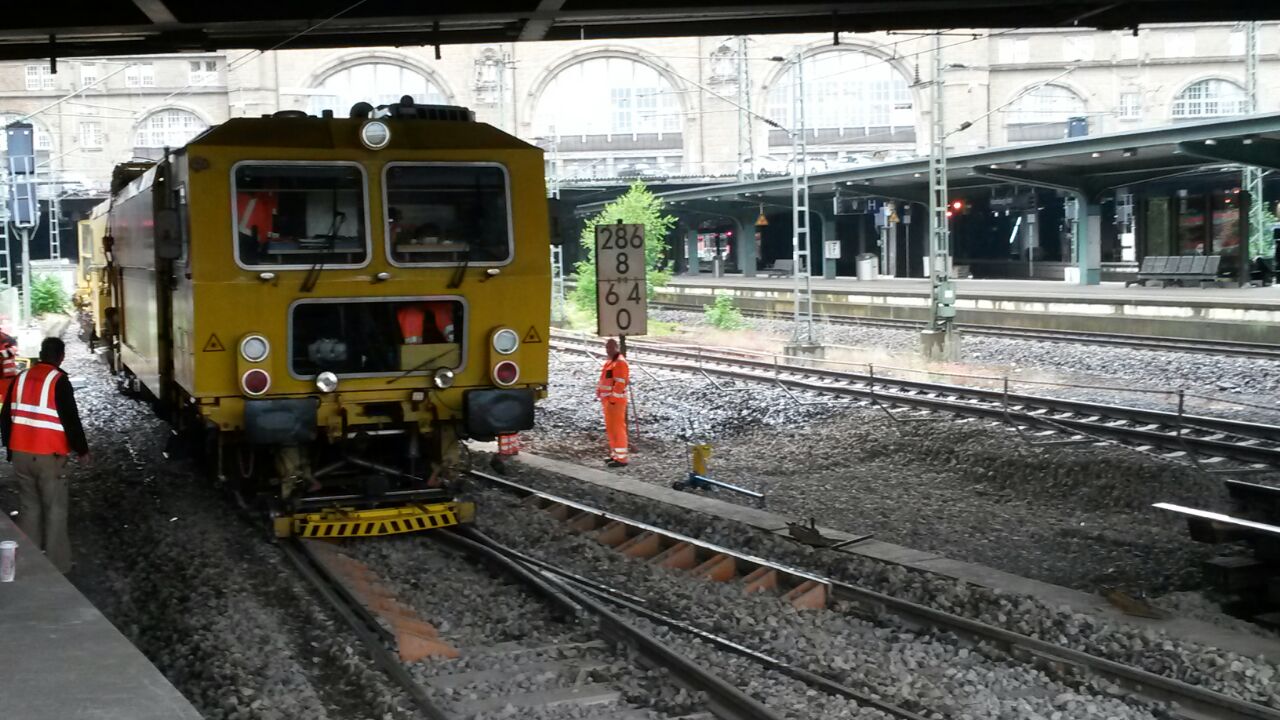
point(447, 214)
point(352, 337)
point(300, 215)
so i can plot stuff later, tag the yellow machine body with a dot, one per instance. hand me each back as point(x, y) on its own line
point(190, 292)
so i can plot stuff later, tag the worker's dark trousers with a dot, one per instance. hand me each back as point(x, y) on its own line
point(42, 505)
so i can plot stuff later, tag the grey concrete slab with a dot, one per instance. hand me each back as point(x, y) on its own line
point(1051, 595)
point(63, 660)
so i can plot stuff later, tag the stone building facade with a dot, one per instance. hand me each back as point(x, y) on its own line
point(693, 107)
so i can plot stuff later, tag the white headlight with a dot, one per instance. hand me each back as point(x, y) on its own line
point(254, 348)
point(443, 378)
point(506, 341)
point(375, 135)
point(326, 382)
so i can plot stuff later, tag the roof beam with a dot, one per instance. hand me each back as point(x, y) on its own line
point(1051, 181)
point(156, 12)
point(536, 27)
point(1258, 152)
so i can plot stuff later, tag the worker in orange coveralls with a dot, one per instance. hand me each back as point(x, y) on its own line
point(612, 392)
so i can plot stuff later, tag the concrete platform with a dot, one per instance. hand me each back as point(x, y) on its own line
point(63, 660)
point(1052, 595)
point(1237, 314)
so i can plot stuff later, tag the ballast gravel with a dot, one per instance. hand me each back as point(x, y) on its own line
point(198, 589)
point(478, 611)
point(1250, 679)
point(929, 673)
point(1255, 380)
point(1077, 515)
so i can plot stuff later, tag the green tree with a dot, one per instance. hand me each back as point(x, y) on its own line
point(636, 206)
point(47, 295)
point(1264, 246)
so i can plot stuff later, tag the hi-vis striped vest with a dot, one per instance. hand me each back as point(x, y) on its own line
point(8, 362)
point(37, 429)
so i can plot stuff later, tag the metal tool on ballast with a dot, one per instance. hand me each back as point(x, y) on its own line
point(699, 479)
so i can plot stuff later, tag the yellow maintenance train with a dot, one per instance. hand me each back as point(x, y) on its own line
point(330, 304)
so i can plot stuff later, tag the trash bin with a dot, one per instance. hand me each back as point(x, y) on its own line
point(867, 266)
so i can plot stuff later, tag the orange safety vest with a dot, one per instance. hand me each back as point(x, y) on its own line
point(37, 429)
point(8, 362)
point(443, 313)
point(257, 210)
point(612, 387)
point(411, 319)
point(8, 368)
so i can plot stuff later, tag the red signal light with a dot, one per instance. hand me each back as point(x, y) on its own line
point(255, 382)
point(957, 205)
point(506, 373)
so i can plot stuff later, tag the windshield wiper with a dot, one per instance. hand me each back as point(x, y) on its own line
point(313, 275)
point(460, 273)
point(420, 366)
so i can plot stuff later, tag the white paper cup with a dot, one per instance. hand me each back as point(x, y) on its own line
point(8, 560)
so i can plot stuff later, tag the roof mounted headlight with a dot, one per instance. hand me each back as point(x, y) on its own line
point(443, 378)
point(326, 382)
point(375, 134)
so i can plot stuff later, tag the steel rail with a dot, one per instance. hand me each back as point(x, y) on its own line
point(636, 605)
point(1089, 419)
point(1234, 348)
point(732, 703)
point(367, 629)
point(1193, 702)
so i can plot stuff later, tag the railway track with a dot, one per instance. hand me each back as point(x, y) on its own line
point(1211, 443)
point(1182, 700)
point(1191, 345)
point(569, 674)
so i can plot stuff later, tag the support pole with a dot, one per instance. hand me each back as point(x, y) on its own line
point(26, 274)
point(1252, 181)
point(804, 337)
point(938, 340)
point(746, 129)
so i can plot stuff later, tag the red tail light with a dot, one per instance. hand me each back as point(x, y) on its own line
point(506, 372)
point(255, 382)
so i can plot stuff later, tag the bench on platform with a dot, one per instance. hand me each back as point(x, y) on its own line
point(1178, 269)
point(781, 268)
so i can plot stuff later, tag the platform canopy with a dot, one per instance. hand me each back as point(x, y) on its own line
point(126, 27)
point(1091, 166)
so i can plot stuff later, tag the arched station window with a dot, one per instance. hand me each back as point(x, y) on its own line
point(855, 103)
point(377, 83)
point(1044, 113)
point(44, 141)
point(610, 117)
point(168, 128)
point(1209, 98)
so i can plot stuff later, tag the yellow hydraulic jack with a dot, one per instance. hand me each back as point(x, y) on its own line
point(698, 478)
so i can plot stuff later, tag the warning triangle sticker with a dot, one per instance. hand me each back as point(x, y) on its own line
point(214, 344)
point(532, 336)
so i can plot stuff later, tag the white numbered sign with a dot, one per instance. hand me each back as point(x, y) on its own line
point(622, 303)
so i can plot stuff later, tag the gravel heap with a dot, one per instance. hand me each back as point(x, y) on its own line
point(1252, 380)
point(197, 589)
point(930, 673)
point(1246, 678)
